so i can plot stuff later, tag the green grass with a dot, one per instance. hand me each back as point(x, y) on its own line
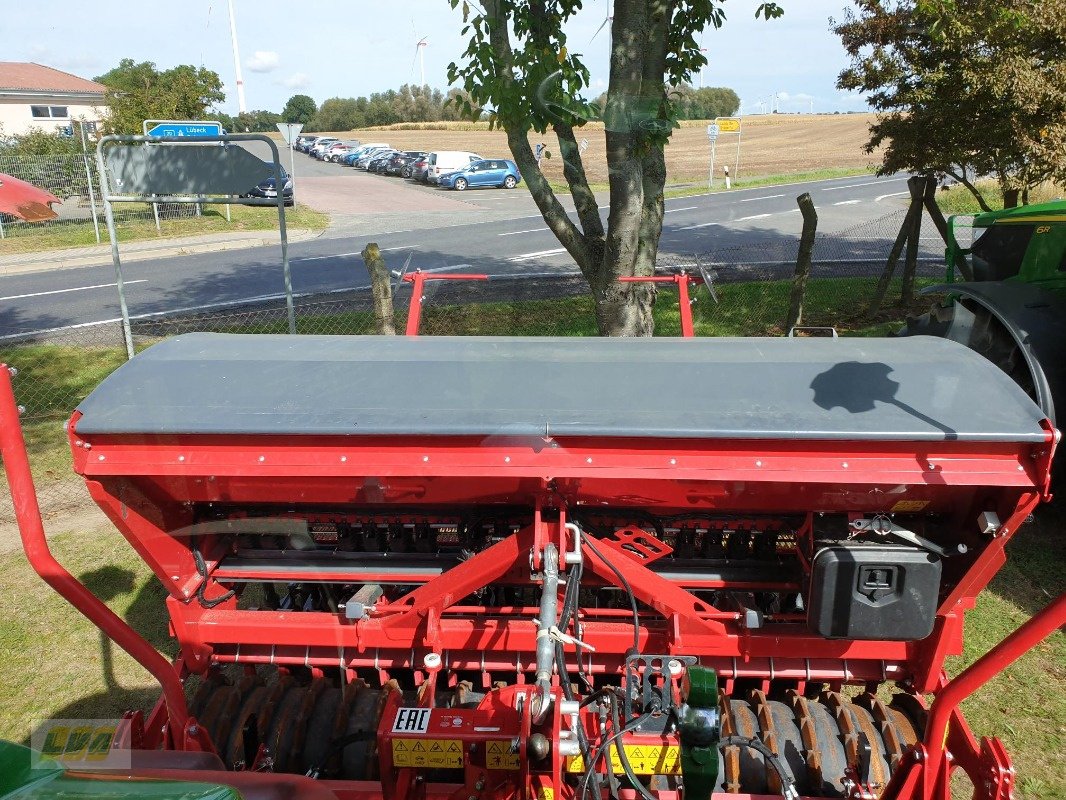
point(561, 187)
point(959, 200)
point(37, 238)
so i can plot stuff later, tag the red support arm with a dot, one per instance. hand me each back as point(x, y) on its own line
point(31, 529)
point(977, 675)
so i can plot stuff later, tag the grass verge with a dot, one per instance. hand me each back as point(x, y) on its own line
point(560, 187)
point(958, 199)
point(80, 233)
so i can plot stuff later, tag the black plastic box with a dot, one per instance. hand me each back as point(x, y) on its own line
point(868, 591)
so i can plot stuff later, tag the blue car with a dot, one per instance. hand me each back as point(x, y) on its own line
point(487, 172)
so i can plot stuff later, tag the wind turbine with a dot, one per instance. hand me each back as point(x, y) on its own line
point(420, 56)
point(236, 60)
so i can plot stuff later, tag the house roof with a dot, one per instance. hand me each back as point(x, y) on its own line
point(27, 77)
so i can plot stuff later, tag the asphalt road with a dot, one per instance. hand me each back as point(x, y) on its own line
point(756, 222)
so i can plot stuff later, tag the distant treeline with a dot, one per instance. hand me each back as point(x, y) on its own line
point(406, 104)
point(422, 104)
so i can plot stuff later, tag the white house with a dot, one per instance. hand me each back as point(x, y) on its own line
point(35, 96)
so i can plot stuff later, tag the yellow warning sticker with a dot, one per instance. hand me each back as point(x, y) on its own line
point(445, 753)
point(910, 505)
point(544, 793)
point(498, 755)
point(645, 760)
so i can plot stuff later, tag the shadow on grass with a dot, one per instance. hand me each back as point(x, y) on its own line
point(147, 615)
point(1035, 572)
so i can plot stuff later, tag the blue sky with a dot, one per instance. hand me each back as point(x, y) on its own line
point(346, 50)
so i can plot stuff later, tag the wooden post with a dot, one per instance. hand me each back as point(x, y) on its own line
point(803, 261)
point(916, 186)
point(897, 250)
point(381, 287)
point(935, 214)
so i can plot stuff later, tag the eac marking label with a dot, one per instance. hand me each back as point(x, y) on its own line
point(411, 720)
point(444, 753)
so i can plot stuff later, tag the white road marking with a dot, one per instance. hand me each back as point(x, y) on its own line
point(74, 289)
point(847, 202)
point(400, 247)
point(701, 225)
point(768, 197)
point(538, 254)
point(754, 216)
point(881, 197)
point(515, 233)
point(686, 208)
point(854, 185)
point(320, 258)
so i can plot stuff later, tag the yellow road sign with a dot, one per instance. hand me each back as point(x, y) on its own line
point(728, 124)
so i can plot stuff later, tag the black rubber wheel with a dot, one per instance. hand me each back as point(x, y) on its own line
point(460, 184)
point(510, 182)
point(320, 728)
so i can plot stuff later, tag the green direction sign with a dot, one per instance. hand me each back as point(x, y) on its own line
point(190, 169)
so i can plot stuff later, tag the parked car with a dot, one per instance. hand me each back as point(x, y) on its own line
point(401, 161)
point(319, 147)
point(363, 161)
point(496, 172)
point(269, 189)
point(361, 151)
point(335, 152)
point(417, 169)
point(380, 162)
point(442, 162)
point(304, 141)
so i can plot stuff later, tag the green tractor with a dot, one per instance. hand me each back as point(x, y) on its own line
point(1013, 311)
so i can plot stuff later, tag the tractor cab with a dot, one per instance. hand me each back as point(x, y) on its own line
point(1026, 244)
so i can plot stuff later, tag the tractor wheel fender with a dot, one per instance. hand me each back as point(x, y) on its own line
point(1033, 317)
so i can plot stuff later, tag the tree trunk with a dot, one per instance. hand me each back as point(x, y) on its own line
point(1010, 198)
point(381, 287)
point(890, 267)
point(803, 261)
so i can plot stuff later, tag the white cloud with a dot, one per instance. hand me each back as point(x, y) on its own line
point(263, 61)
point(297, 80)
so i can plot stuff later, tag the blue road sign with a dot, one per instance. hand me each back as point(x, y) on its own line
point(177, 130)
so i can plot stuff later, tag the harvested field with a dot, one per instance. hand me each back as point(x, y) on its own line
point(776, 144)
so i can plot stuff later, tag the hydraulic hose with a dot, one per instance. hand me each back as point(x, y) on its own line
point(549, 605)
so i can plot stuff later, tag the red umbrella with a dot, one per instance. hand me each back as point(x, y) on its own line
point(24, 200)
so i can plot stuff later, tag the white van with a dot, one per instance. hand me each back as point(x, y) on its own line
point(445, 161)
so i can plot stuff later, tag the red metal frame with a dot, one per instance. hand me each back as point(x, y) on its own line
point(418, 279)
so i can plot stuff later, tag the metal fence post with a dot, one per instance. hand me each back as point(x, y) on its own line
point(89, 181)
point(105, 193)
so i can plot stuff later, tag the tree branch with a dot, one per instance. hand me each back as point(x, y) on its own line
point(518, 141)
point(574, 172)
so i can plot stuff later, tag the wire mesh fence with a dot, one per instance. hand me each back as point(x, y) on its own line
point(751, 284)
point(74, 179)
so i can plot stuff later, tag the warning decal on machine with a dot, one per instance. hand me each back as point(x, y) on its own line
point(645, 760)
point(446, 753)
point(498, 755)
